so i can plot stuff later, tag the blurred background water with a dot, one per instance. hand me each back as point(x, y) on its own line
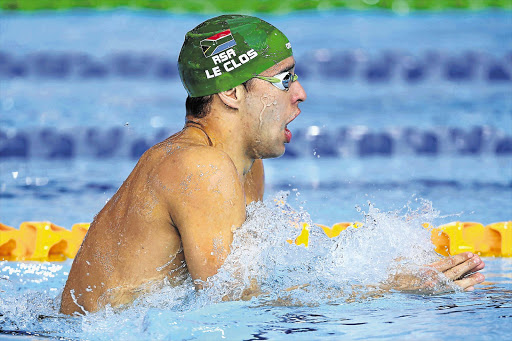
point(398, 105)
point(402, 105)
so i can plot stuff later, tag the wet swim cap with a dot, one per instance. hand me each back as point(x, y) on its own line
point(226, 51)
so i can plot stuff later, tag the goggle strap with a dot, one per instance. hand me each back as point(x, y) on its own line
point(277, 80)
point(269, 79)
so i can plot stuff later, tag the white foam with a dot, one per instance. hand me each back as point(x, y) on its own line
point(329, 270)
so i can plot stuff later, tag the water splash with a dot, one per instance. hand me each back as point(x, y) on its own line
point(263, 266)
point(262, 262)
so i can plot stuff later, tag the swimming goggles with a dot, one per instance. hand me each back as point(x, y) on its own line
point(282, 80)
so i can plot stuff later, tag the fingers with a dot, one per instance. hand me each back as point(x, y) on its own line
point(464, 268)
point(468, 283)
point(448, 263)
point(479, 266)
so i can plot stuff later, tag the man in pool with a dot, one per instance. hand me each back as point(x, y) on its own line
point(176, 212)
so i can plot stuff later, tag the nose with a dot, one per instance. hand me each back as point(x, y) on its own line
point(299, 94)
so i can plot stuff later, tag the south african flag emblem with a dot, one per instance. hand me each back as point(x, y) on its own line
point(217, 43)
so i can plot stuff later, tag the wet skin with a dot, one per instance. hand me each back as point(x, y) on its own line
point(176, 212)
point(460, 270)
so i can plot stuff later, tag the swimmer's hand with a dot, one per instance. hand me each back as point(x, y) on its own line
point(461, 270)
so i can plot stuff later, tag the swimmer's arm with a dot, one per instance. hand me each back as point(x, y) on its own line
point(254, 184)
point(460, 269)
point(208, 206)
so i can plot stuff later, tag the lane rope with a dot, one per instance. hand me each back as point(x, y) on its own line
point(47, 242)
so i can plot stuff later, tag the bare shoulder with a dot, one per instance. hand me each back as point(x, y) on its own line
point(171, 159)
point(191, 176)
point(195, 160)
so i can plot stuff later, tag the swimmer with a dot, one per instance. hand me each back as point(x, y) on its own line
point(176, 212)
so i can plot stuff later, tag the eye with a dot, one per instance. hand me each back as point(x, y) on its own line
point(286, 80)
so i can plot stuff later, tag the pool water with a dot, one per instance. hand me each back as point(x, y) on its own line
point(408, 120)
point(483, 314)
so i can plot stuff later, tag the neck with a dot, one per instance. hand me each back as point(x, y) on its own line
point(224, 132)
point(198, 125)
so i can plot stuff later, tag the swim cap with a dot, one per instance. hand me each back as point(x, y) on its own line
point(226, 51)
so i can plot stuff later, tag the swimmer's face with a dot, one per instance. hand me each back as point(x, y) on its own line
point(269, 110)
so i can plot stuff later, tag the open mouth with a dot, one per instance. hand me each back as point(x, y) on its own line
point(287, 135)
point(287, 132)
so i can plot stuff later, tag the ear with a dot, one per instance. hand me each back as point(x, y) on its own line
point(232, 98)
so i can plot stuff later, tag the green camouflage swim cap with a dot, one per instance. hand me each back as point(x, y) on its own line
point(226, 51)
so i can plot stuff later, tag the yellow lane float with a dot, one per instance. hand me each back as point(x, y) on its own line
point(40, 241)
point(494, 240)
point(44, 241)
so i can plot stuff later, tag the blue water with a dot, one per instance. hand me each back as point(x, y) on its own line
point(400, 109)
point(484, 315)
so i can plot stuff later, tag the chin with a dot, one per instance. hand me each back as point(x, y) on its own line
point(270, 150)
point(276, 153)
point(271, 154)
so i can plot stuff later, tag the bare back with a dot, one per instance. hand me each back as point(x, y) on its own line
point(136, 242)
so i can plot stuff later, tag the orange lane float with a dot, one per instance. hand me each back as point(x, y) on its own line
point(44, 241)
